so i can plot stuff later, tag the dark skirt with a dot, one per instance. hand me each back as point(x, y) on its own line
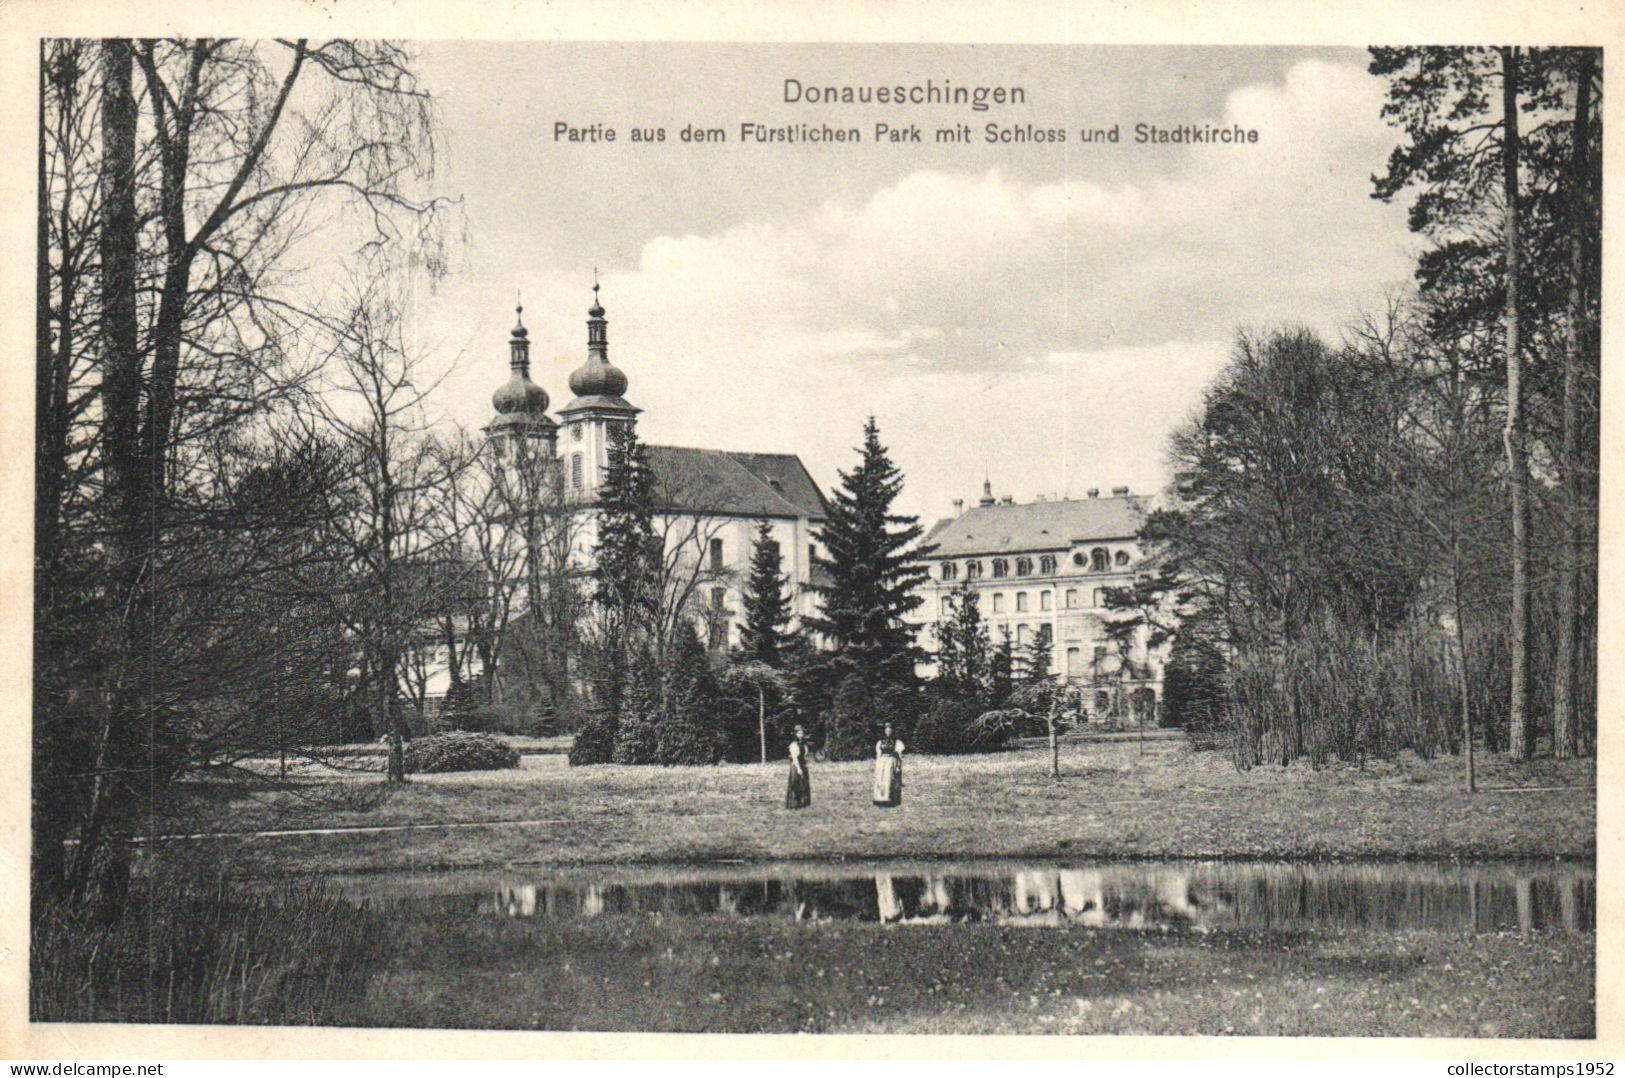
point(799, 794)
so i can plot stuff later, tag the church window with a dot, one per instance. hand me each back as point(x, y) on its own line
point(949, 570)
point(1001, 567)
point(1046, 564)
point(1044, 600)
point(1021, 602)
point(716, 555)
point(1101, 559)
point(575, 471)
point(1024, 567)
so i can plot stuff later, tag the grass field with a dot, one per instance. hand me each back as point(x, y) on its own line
point(763, 975)
point(1114, 800)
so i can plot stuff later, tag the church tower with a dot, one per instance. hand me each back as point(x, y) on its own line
point(521, 431)
point(599, 387)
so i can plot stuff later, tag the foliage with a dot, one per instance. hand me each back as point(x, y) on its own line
point(964, 652)
point(595, 737)
point(459, 750)
point(673, 717)
point(850, 732)
point(950, 725)
point(874, 566)
point(204, 951)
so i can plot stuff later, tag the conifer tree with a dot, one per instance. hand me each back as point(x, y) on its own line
point(874, 566)
point(625, 559)
point(964, 652)
point(767, 606)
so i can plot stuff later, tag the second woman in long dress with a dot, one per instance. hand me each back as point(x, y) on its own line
point(888, 790)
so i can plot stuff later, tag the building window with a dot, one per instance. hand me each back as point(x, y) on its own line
point(949, 570)
point(1024, 567)
point(575, 471)
point(1044, 636)
point(1022, 633)
point(812, 555)
point(1122, 557)
point(1074, 662)
point(575, 431)
point(1102, 560)
point(1046, 564)
point(1100, 596)
point(1044, 600)
point(1100, 656)
point(1001, 567)
point(1071, 598)
point(1079, 559)
point(1103, 703)
point(973, 570)
point(1021, 602)
point(998, 602)
point(947, 605)
point(716, 555)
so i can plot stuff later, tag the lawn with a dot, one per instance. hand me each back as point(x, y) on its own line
point(1114, 800)
point(766, 975)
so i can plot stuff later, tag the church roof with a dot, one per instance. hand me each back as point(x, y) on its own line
point(737, 484)
point(1047, 525)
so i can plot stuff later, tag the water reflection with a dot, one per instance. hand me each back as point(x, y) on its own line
point(1134, 896)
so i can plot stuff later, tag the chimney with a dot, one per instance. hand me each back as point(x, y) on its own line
point(1040, 498)
point(959, 507)
point(1008, 499)
point(1093, 492)
point(1119, 492)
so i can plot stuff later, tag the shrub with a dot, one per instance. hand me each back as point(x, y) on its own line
point(946, 727)
point(847, 735)
point(459, 750)
point(594, 742)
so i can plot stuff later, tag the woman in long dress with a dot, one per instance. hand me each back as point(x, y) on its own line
point(888, 789)
point(799, 793)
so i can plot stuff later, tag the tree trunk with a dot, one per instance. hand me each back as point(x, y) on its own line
point(761, 718)
point(1054, 748)
point(1461, 648)
point(1518, 746)
point(124, 477)
point(1565, 731)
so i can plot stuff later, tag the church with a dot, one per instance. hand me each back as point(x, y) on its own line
point(709, 502)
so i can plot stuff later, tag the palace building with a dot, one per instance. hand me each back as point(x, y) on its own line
point(1043, 569)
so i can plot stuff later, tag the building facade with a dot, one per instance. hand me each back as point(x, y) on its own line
point(1044, 569)
point(709, 502)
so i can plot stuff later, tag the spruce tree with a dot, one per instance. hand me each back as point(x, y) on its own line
point(964, 651)
point(874, 567)
point(689, 726)
point(624, 561)
point(1002, 671)
point(767, 606)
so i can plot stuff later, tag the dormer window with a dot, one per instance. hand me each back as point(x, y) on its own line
point(1024, 567)
point(949, 570)
point(1122, 557)
point(1046, 564)
point(1101, 559)
point(1001, 567)
point(973, 570)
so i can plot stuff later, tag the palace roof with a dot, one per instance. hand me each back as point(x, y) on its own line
point(734, 484)
point(1035, 526)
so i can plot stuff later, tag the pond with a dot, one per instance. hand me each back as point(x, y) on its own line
point(1189, 896)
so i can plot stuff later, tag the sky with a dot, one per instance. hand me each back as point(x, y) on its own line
point(1041, 315)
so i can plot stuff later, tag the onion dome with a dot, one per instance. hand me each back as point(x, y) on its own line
point(597, 377)
point(520, 402)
